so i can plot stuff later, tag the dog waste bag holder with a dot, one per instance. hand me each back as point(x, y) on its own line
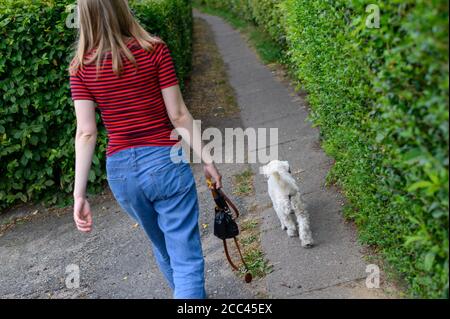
point(225, 226)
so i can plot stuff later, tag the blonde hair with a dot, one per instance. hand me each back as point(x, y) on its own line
point(104, 25)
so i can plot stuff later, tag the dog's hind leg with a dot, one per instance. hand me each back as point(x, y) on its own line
point(293, 231)
point(303, 222)
point(281, 219)
point(283, 210)
point(304, 230)
point(291, 228)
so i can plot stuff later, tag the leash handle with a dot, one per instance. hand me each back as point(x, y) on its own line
point(210, 183)
point(218, 195)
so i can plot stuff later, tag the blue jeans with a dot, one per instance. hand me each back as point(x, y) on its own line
point(161, 196)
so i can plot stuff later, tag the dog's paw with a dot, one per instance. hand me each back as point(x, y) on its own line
point(307, 245)
point(292, 233)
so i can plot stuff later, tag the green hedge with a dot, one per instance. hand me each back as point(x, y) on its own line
point(380, 97)
point(37, 120)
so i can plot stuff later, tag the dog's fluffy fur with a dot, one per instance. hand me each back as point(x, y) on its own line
point(287, 201)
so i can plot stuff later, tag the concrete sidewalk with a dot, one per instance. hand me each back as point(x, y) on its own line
point(335, 268)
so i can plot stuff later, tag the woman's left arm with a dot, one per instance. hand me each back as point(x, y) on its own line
point(85, 142)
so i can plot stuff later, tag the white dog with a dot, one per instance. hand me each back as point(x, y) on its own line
point(287, 201)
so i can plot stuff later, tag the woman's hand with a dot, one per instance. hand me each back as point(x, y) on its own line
point(82, 214)
point(212, 173)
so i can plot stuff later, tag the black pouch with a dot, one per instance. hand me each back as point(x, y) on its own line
point(224, 225)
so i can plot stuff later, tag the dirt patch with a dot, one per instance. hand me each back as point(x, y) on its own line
point(208, 92)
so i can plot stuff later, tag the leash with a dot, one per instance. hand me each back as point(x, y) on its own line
point(223, 202)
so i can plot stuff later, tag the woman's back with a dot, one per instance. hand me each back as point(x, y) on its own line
point(132, 106)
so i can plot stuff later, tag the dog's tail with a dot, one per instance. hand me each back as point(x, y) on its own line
point(287, 179)
point(281, 173)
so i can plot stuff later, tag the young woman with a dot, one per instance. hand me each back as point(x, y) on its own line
point(129, 75)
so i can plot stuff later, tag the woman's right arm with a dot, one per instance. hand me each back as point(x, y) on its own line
point(182, 119)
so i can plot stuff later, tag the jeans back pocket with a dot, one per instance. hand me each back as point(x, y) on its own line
point(117, 181)
point(176, 179)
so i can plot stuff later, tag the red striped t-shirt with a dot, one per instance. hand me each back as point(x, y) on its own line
point(132, 107)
